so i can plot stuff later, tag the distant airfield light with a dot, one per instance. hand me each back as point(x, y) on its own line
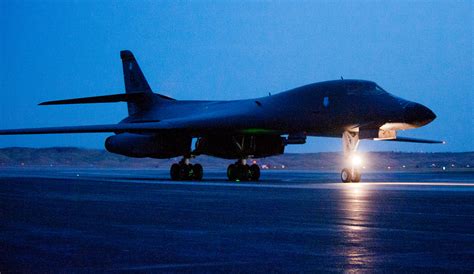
point(444, 168)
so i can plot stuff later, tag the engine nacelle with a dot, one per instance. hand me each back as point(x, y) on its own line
point(154, 146)
point(235, 147)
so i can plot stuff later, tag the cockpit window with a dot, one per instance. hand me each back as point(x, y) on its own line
point(378, 90)
point(364, 89)
point(354, 88)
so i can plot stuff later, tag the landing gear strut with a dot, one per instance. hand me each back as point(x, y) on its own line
point(350, 142)
point(241, 171)
point(184, 170)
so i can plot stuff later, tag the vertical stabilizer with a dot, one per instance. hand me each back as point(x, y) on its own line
point(135, 81)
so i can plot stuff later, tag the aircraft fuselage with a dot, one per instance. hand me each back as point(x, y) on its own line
point(319, 109)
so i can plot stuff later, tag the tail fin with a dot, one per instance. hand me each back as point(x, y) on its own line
point(138, 94)
point(135, 82)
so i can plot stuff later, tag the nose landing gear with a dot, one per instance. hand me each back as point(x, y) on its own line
point(184, 170)
point(350, 142)
point(241, 171)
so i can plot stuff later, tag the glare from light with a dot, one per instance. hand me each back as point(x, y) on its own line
point(356, 160)
point(356, 191)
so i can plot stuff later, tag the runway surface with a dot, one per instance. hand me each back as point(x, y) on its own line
point(130, 220)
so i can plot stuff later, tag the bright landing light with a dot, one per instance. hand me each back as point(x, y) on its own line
point(356, 160)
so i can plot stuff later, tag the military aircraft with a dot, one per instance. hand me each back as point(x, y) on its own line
point(161, 127)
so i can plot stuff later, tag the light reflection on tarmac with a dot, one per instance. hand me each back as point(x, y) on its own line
point(136, 220)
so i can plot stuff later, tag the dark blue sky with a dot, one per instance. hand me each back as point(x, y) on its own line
point(421, 51)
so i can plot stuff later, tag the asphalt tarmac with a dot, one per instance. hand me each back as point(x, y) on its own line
point(66, 220)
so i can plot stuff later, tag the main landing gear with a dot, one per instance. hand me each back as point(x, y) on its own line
point(350, 142)
point(241, 171)
point(184, 170)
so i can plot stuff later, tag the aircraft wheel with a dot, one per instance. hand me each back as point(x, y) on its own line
point(197, 172)
point(346, 175)
point(254, 172)
point(175, 171)
point(356, 176)
point(243, 172)
point(186, 172)
point(231, 172)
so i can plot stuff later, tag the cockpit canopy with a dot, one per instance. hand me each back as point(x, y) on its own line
point(364, 88)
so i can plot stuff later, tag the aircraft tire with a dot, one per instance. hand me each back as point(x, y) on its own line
point(254, 172)
point(356, 176)
point(231, 172)
point(185, 172)
point(175, 171)
point(346, 175)
point(197, 172)
point(243, 172)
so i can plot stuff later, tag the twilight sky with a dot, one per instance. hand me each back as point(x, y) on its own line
point(418, 50)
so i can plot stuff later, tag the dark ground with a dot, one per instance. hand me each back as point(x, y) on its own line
point(126, 220)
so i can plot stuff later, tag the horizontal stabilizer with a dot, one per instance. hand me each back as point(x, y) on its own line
point(124, 97)
point(412, 140)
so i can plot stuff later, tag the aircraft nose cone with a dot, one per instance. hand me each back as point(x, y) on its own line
point(418, 114)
